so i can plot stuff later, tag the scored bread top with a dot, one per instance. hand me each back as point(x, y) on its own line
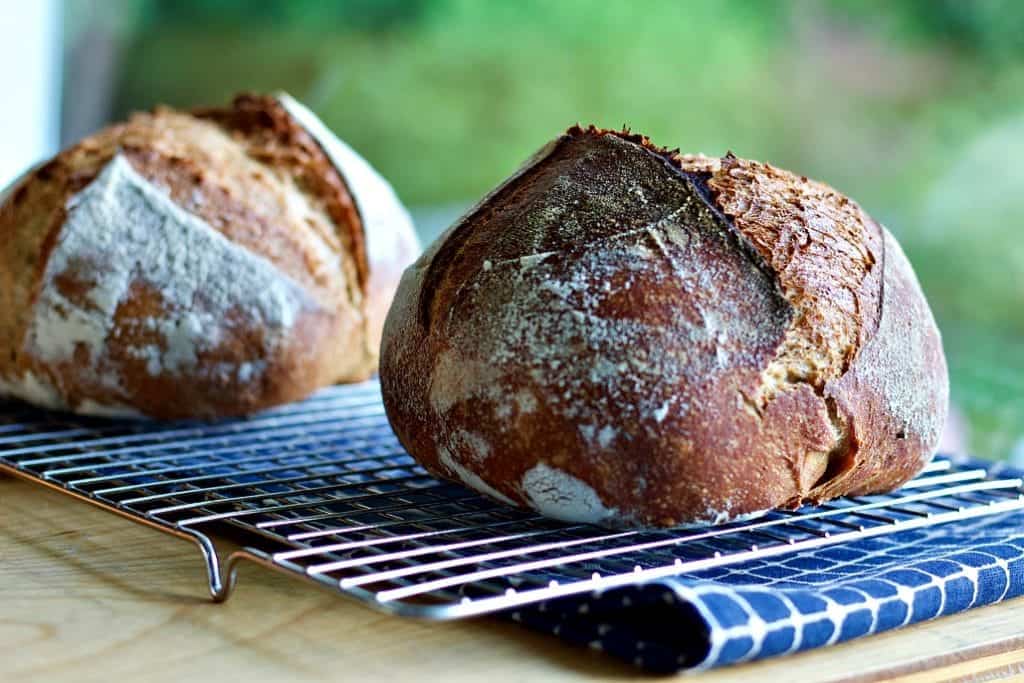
point(623, 335)
point(186, 265)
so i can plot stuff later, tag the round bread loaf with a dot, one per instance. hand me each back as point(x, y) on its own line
point(626, 336)
point(198, 264)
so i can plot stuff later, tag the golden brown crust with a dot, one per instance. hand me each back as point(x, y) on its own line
point(627, 336)
point(255, 176)
point(273, 138)
point(822, 248)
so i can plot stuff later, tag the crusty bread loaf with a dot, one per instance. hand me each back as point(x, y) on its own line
point(626, 336)
point(197, 265)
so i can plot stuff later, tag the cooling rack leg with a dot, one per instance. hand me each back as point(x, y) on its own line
point(229, 575)
point(224, 578)
point(218, 590)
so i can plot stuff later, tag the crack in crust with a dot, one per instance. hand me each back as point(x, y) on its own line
point(822, 248)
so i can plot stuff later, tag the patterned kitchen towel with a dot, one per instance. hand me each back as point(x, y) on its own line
point(790, 603)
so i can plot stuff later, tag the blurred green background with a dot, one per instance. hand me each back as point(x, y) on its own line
point(914, 108)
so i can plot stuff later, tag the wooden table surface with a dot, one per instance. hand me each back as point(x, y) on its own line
point(87, 596)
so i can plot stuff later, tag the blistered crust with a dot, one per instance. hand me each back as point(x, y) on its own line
point(662, 341)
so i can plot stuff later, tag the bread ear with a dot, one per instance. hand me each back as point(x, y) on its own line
point(388, 235)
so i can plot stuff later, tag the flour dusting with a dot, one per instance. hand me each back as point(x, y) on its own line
point(476, 446)
point(89, 407)
point(611, 310)
point(34, 390)
point(40, 392)
point(895, 359)
point(557, 322)
point(122, 232)
point(553, 493)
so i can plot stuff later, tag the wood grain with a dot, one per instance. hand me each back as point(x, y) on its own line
point(86, 596)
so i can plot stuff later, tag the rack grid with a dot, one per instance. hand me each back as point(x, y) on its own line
point(323, 491)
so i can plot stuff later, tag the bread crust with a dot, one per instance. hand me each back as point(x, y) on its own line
point(626, 336)
point(253, 183)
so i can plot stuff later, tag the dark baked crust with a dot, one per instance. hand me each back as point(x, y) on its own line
point(627, 336)
point(254, 175)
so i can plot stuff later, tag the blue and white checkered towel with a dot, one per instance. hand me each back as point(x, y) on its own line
point(796, 602)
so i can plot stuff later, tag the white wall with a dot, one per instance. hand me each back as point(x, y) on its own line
point(30, 53)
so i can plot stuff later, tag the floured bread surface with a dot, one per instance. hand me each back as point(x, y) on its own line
point(620, 336)
point(125, 241)
point(186, 265)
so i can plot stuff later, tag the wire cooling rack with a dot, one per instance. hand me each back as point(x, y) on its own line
point(322, 490)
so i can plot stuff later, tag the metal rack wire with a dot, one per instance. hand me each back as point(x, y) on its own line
point(322, 490)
